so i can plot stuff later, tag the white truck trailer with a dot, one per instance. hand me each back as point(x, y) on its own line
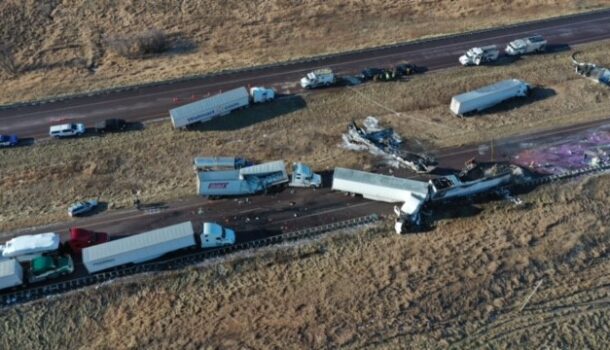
point(376, 186)
point(27, 247)
point(218, 105)
point(244, 181)
point(11, 273)
point(488, 96)
point(214, 236)
point(218, 163)
point(527, 45)
point(478, 55)
point(139, 248)
point(318, 78)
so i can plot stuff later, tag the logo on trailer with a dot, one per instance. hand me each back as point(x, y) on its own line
point(218, 185)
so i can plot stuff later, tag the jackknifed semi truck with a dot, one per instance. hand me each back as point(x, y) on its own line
point(218, 105)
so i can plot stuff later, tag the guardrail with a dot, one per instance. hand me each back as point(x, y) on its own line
point(566, 175)
point(24, 295)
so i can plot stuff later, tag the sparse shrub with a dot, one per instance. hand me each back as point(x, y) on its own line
point(139, 45)
point(7, 61)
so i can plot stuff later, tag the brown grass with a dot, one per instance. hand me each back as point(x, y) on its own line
point(57, 44)
point(38, 182)
point(461, 284)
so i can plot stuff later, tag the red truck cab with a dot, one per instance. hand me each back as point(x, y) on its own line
point(81, 238)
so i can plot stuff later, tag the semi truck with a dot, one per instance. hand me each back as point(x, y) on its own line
point(254, 179)
point(318, 78)
point(214, 236)
point(488, 96)
point(218, 105)
point(28, 247)
point(478, 55)
point(11, 273)
point(527, 45)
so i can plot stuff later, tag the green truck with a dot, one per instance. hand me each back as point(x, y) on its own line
point(50, 266)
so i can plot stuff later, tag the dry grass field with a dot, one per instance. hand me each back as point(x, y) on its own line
point(462, 285)
point(61, 47)
point(37, 182)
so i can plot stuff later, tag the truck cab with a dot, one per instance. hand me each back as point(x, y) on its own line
point(523, 46)
point(50, 266)
point(81, 238)
point(215, 236)
point(477, 55)
point(318, 78)
point(259, 94)
point(303, 176)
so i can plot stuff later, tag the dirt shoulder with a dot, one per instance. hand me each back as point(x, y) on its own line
point(60, 48)
point(463, 284)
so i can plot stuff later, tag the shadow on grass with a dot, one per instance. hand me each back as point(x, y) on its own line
point(536, 94)
point(252, 115)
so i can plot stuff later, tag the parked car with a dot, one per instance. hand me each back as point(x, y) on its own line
point(81, 238)
point(370, 73)
point(110, 125)
point(82, 207)
point(66, 130)
point(50, 266)
point(8, 140)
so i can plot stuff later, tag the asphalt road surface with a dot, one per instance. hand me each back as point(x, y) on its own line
point(153, 103)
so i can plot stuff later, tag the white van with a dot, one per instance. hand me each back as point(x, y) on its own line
point(64, 130)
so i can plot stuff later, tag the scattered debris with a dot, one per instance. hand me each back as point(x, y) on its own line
point(386, 143)
point(591, 71)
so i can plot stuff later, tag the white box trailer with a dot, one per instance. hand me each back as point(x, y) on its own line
point(247, 180)
point(27, 247)
point(11, 273)
point(378, 187)
point(139, 248)
point(209, 108)
point(488, 96)
point(218, 163)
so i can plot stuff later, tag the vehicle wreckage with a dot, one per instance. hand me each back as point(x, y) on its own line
point(385, 142)
point(591, 71)
point(474, 179)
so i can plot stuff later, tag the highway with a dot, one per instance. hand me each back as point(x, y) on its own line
point(153, 103)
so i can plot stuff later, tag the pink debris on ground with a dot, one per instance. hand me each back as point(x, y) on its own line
point(573, 153)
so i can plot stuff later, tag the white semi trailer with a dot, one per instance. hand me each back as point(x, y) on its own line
point(254, 179)
point(28, 247)
point(376, 186)
point(527, 45)
point(488, 96)
point(218, 105)
point(138, 248)
point(11, 273)
point(478, 55)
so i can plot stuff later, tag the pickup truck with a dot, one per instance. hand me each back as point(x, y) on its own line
point(110, 125)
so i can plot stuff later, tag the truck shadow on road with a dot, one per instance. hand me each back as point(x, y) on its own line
point(253, 115)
